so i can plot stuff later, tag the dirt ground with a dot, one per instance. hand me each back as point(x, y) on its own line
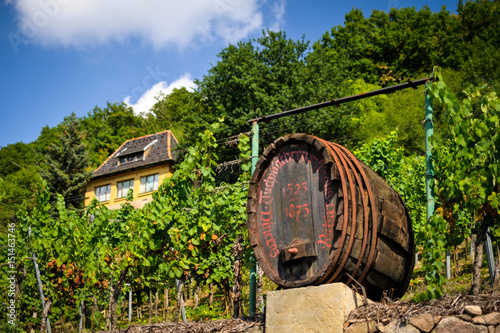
point(221, 325)
point(384, 312)
point(446, 306)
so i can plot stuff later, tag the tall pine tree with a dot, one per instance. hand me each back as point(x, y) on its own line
point(68, 166)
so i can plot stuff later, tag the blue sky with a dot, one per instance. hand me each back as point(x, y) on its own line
point(63, 56)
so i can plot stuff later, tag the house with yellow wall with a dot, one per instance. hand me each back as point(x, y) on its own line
point(140, 164)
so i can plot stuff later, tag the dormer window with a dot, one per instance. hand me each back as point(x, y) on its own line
point(139, 156)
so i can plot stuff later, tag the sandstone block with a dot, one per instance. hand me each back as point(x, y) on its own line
point(489, 319)
point(398, 326)
point(313, 309)
point(424, 322)
point(466, 317)
point(362, 327)
point(473, 310)
point(455, 325)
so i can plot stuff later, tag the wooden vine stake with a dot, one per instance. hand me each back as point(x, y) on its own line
point(238, 254)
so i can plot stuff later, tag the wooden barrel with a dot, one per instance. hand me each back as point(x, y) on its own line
point(318, 215)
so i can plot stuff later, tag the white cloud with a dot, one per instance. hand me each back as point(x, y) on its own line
point(278, 10)
point(81, 23)
point(148, 99)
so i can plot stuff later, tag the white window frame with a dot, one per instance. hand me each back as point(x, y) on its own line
point(103, 193)
point(123, 187)
point(149, 183)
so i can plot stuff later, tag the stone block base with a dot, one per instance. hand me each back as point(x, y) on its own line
point(310, 309)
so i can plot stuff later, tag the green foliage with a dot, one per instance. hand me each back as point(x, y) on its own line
point(404, 174)
point(198, 220)
point(468, 164)
point(107, 128)
point(17, 186)
point(206, 312)
point(252, 79)
point(174, 112)
point(68, 166)
point(480, 22)
point(17, 156)
point(392, 46)
point(402, 112)
point(433, 238)
point(186, 232)
point(466, 168)
point(407, 176)
point(8, 328)
point(18, 168)
point(383, 157)
point(268, 75)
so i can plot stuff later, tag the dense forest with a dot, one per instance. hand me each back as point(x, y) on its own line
point(274, 73)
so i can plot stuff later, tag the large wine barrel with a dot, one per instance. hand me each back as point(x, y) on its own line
point(316, 214)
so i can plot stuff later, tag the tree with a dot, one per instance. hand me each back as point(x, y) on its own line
point(107, 128)
point(174, 112)
point(394, 46)
point(19, 187)
point(47, 137)
point(68, 168)
point(252, 79)
point(480, 22)
point(269, 75)
point(16, 156)
point(19, 168)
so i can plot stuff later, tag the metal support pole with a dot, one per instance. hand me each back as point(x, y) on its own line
point(40, 286)
point(253, 287)
point(130, 303)
point(183, 309)
point(80, 312)
point(472, 237)
point(448, 265)
point(253, 265)
point(338, 101)
point(489, 256)
point(429, 168)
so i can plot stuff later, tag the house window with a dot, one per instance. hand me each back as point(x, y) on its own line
point(149, 183)
point(123, 187)
point(102, 193)
point(139, 156)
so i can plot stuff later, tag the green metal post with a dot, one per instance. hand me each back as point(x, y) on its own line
point(253, 265)
point(255, 145)
point(429, 168)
